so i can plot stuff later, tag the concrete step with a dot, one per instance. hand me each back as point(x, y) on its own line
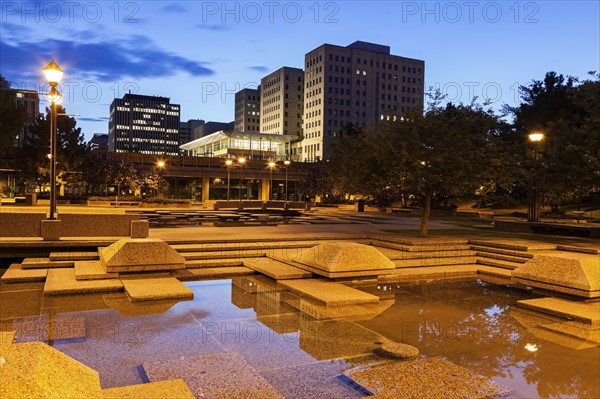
point(92, 270)
point(241, 254)
point(498, 263)
point(149, 289)
point(494, 271)
point(276, 269)
point(45, 263)
point(572, 248)
point(211, 272)
point(588, 313)
point(242, 246)
point(499, 251)
point(169, 389)
point(428, 262)
point(63, 281)
point(16, 274)
point(328, 293)
point(74, 256)
point(507, 258)
point(514, 245)
point(395, 254)
point(422, 248)
point(195, 264)
point(428, 273)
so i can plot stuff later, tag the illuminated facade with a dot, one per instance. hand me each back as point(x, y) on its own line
point(281, 102)
point(247, 110)
point(360, 84)
point(144, 124)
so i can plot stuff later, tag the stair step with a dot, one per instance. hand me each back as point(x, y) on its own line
point(499, 251)
point(195, 264)
point(211, 272)
point(508, 258)
point(498, 263)
point(276, 269)
point(523, 246)
point(240, 254)
point(428, 262)
point(494, 271)
point(328, 293)
point(45, 263)
point(74, 256)
point(572, 248)
point(149, 289)
point(243, 246)
point(423, 248)
point(433, 272)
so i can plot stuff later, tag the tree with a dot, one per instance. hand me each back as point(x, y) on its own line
point(567, 111)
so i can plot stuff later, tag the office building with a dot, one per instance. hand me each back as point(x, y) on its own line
point(144, 124)
point(186, 130)
point(27, 99)
point(360, 84)
point(98, 143)
point(247, 110)
point(208, 128)
point(281, 102)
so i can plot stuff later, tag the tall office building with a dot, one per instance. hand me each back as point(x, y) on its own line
point(281, 102)
point(247, 110)
point(361, 84)
point(144, 124)
point(27, 99)
point(186, 130)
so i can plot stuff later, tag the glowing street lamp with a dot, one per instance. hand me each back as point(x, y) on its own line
point(160, 165)
point(228, 162)
point(533, 213)
point(271, 166)
point(53, 75)
point(286, 163)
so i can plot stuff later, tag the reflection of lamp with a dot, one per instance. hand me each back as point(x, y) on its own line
point(287, 164)
point(242, 161)
point(53, 75)
point(228, 162)
point(533, 213)
point(271, 166)
point(531, 347)
point(161, 165)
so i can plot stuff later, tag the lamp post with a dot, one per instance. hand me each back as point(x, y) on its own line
point(242, 161)
point(533, 213)
point(228, 162)
point(53, 75)
point(271, 166)
point(287, 164)
point(160, 165)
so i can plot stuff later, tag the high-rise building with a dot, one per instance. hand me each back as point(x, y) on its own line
point(144, 124)
point(98, 143)
point(247, 110)
point(207, 128)
point(281, 102)
point(27, 99)
point(360, 84)
point(186, 130)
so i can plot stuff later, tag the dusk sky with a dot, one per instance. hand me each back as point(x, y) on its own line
point(199, 53)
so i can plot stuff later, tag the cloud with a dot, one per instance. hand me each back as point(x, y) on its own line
point(259, 68)
point(100, 119)
point(136, 57)
point(214, 27)
point(175, 8)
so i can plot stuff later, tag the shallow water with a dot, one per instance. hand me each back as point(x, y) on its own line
point(473, 324)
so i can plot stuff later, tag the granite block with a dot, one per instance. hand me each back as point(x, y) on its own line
point(16, 274)
point(63, 281)
point(139, 229)
point(149, 289)
point(21, 224)
point(344, 257)
point(276, 269)
point(138, 254)
point(36, 370)
point(170, 389)
point(51, 230)
point(7, 338)
point(97, 224)
point(73, 256)
point(211, 272)
point(44, 263)
point(328, 293)
point(588, 313)
point(92, 270)
point(424, 378)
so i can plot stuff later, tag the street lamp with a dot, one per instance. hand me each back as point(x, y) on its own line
point(286, 163)
point(228, 162)
point(53, 75)
point(271, 166)
point(160, 165)
point(242, 161)
point(533, 213)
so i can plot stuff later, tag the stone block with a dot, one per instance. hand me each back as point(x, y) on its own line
point(92, 270)
point(567, 272)
point(97, 225)
point(51, 230)
point(148, 289)
point(140, 254)
point(211, 272)
point(328, 293)
point(20, 224)
point(276, 269)
point(170, 389)
point(139, 229)
point(63, 281)
point(36, 370)
point(16, 274)
point(588, 313)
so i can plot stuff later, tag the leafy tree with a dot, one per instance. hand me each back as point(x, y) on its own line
point(567, 111)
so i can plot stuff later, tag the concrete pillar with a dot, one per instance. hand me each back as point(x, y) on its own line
point(205, 186)
point(51, 230)
point(264, 190)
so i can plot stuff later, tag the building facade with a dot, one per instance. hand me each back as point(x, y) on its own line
point(281, 102)
point(360, 84)
point(144, 124)
point(98, 143)
point(211, 127)
point(30, 101)
point(247, 110)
